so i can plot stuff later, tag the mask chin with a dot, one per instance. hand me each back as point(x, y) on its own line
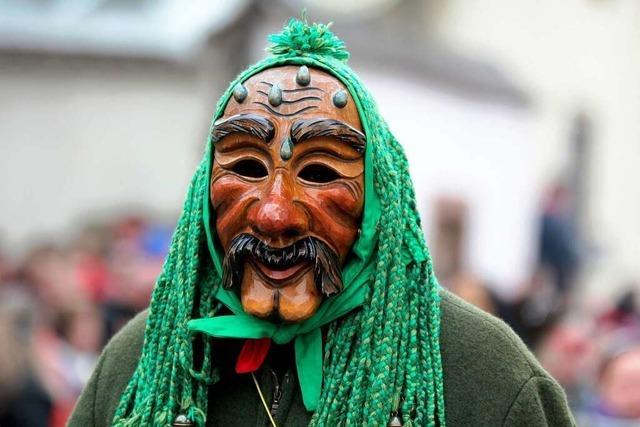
point(291, 302)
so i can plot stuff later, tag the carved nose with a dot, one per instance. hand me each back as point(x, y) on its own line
point(275, 215)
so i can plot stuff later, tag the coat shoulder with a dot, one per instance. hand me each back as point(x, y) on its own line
point(467, 331)
point(486, 366)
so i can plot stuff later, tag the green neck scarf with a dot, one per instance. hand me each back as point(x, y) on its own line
point(356, 273)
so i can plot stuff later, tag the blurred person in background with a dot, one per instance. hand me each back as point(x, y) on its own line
point(24, 401)
point(5, 267)
point(88, 253)
point(543, 300)
point(68, 334)
point(67, 351)
point(49, 274)
point(81, 292)
point(471, 289)
point(569, 352)
point(134, 257)
point(558, 247)
point(616, 402)
point(596, 358)
point(625, 313)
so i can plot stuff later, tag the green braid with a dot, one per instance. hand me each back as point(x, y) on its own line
point(361, 381)
point(162, 385)
point(382, 358)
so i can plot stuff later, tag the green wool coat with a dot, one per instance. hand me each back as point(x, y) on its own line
point(490, 379)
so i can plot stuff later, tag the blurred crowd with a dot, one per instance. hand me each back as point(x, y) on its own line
point(591, 348)
point(62, 301)
point(594, 353)
point(59, 305)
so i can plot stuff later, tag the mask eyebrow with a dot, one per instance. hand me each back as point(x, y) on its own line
point(310, 128)
point(252, 124)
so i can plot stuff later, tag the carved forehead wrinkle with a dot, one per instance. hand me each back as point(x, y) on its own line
point(312, 100)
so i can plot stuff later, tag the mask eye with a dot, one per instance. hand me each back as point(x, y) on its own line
point(250, 168)
point(319, 174)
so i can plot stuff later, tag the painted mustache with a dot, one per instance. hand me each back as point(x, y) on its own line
point(325, 261)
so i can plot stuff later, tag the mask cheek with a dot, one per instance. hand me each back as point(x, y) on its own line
point(336, 213)
point(230, 199)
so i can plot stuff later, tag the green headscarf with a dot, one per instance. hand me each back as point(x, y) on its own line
point(389, 348)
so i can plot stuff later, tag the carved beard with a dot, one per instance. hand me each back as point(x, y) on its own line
point(326, 268)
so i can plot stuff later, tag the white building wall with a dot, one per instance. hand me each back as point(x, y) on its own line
point(569, 56)
point(85, 139)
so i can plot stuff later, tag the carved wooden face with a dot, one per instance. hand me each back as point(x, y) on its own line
point(287, 189)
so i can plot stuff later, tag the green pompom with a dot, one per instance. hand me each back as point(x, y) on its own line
point(299, 37)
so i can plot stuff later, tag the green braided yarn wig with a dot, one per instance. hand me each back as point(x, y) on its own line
point(381, 358)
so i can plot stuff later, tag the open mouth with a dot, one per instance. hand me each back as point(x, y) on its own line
point(281, 274)
point(280, 266)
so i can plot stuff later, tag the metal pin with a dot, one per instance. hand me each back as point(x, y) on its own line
point(275, 95)
point(240, 93)
point(182, 421)
point(303, 78)
point(340, 98)
point(395, 421)
point(286, 150)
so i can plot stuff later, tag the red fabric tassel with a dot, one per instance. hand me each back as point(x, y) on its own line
point(252, 355)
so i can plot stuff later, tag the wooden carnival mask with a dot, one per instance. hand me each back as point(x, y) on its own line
point(287, 189)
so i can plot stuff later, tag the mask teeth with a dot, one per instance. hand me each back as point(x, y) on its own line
point(270, 259)
point(281, 257)
point(290, 256)
point(259, 251)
